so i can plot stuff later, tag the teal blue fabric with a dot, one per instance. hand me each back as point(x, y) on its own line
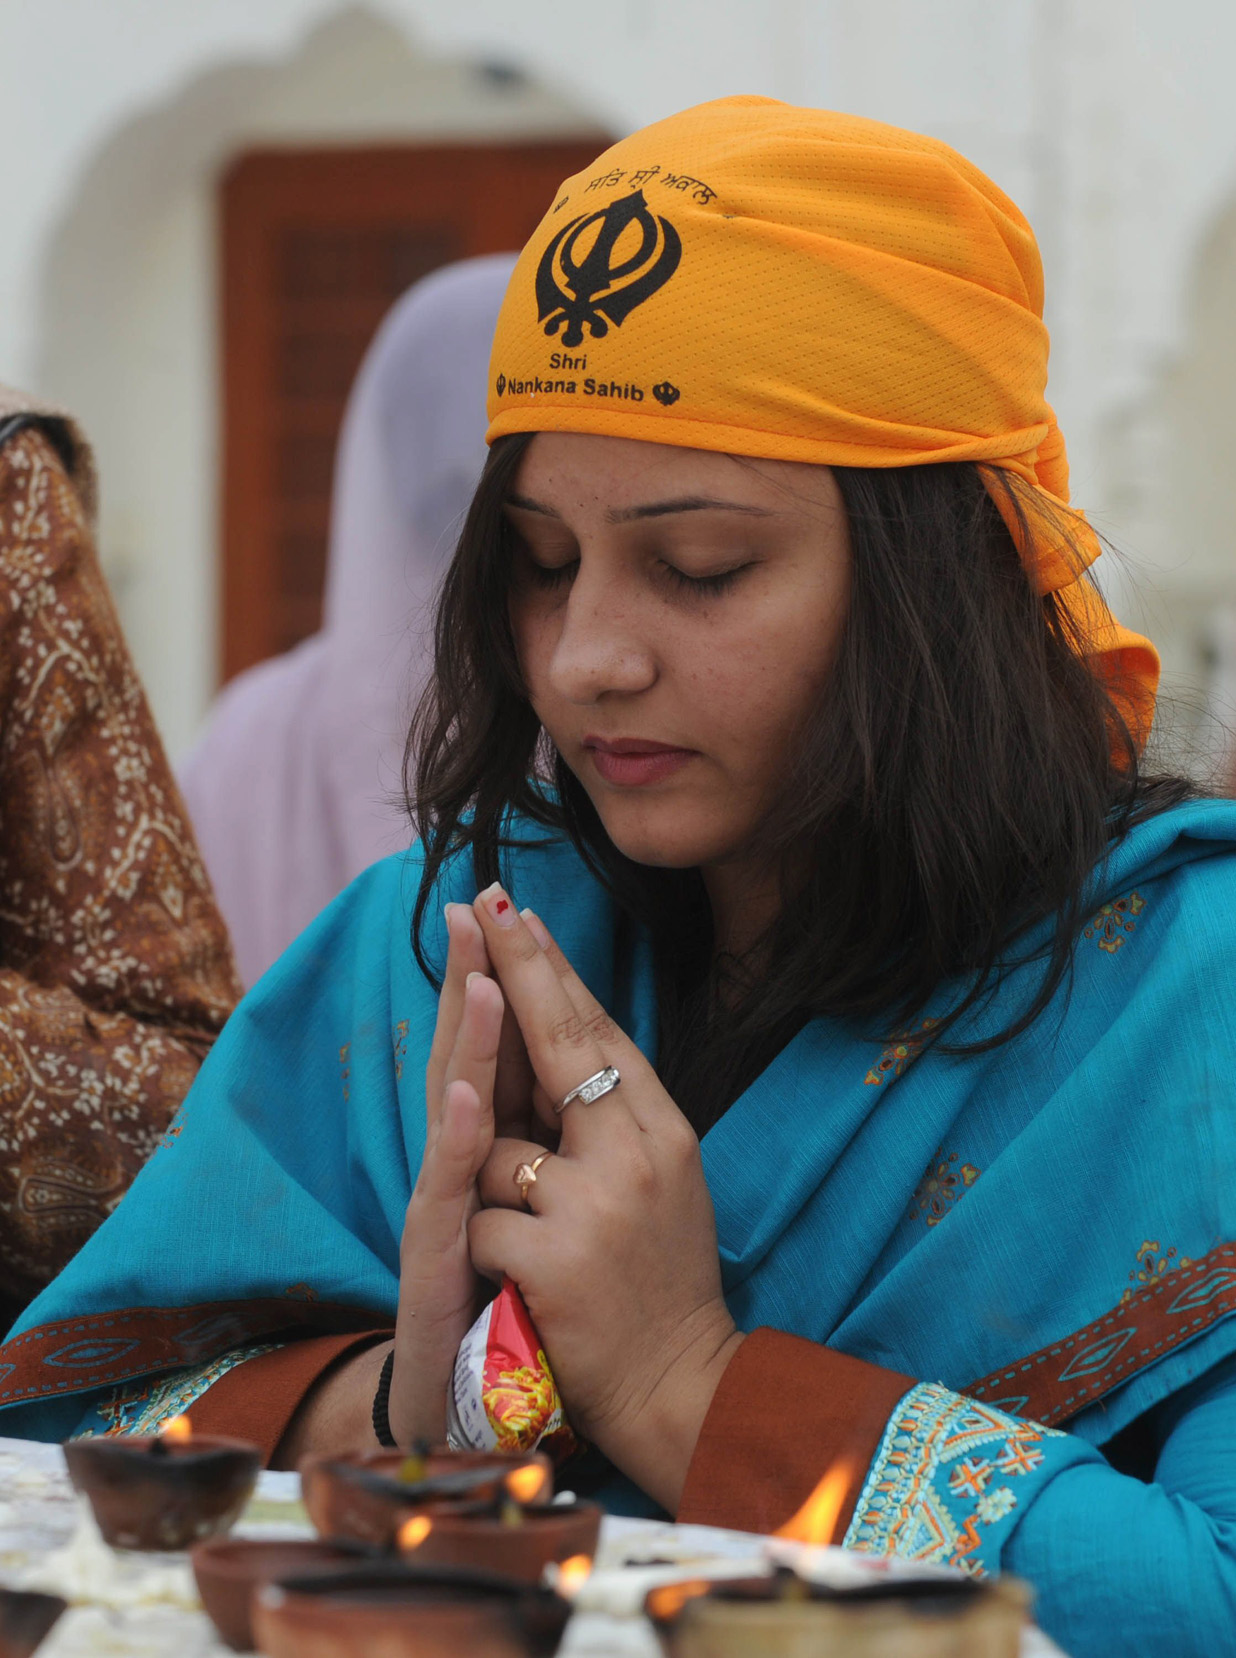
point(1139, 1568)
point(1142, 1567)
point(1110, 1125)
point(288, 1169)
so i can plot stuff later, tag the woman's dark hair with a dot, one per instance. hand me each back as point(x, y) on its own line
point(957, 784)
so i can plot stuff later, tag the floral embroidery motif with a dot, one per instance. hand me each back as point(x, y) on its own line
point(929, 1494)
point(399, 1039)
point(994, 1505)
point(1151, 1266)
point(146, 1407)
point(941, 1186)
point(1114, 920)
point(899, 1055)
point(301, 1292)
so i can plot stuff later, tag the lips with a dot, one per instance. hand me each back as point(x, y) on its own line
point(634, 762)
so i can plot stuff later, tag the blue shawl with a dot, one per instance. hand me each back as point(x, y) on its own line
point(1049, 1225)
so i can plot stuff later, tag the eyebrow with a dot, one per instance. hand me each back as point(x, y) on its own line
point(651, 509)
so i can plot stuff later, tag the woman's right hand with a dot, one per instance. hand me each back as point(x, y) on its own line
point(440, 1294)
point(478, 1075)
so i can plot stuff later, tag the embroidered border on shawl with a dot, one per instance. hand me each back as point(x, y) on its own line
point(144, 1410)
point(1058, 1380)
point(78, 1355)
point(944, 1484)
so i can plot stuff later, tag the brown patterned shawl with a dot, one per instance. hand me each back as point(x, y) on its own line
point(115, 970)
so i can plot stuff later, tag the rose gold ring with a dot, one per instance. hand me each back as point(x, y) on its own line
point(525, 1174)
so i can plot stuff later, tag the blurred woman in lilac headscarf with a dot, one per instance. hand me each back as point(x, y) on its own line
point(294, 787)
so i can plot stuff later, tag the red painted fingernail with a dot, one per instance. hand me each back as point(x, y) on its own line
point(499, 906)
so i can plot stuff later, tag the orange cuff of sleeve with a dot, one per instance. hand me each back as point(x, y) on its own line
point(784, 1413)
point(256, 1400)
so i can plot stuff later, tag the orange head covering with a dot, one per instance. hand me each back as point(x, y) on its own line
point(800, 285)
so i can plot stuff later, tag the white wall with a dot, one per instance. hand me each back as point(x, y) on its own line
point(1110, 121)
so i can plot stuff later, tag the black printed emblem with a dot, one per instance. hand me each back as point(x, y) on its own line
point(666, 392)
point(593, 273)
point(501, 384)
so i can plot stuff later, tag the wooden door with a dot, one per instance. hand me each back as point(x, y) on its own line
point(316, 246)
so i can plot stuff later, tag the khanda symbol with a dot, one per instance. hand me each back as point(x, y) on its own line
point(589, 274)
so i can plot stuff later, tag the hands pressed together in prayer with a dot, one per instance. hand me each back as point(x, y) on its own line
point(615, 1250)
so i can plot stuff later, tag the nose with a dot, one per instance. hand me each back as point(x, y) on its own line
point(601, 649)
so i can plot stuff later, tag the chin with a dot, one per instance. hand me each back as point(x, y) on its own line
point(662, 838)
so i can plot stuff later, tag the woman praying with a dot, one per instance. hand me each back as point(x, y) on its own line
point(791, 901)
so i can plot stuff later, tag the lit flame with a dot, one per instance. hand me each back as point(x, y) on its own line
point(668, 1601)
point(526, 1484)
point(816, 1520)
point(176, 1430)
point(412, 1533)
point(572, 1574)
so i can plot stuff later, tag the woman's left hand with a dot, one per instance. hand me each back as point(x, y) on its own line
point(617, 1260)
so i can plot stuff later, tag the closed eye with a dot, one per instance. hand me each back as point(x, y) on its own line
point(703, 585)
point(549, 576)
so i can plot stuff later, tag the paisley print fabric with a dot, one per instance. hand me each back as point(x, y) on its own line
point(115, 969)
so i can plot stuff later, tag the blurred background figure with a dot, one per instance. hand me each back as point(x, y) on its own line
point(295, 787)
point(115, 974)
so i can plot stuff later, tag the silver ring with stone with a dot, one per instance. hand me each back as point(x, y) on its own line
point(595, 1088)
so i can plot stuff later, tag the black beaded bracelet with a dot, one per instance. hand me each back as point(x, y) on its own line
point(381, 1405)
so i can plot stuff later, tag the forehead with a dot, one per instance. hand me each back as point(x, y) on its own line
point(580, 470)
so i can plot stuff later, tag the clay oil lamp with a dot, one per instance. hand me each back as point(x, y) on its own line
point(390, 1610)
point(367, 1497)
point(783, 1616)
point(856, 1614)
point(25, 1619)
point(165, 1490)
point(230, 1571)
point(511, 1534)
